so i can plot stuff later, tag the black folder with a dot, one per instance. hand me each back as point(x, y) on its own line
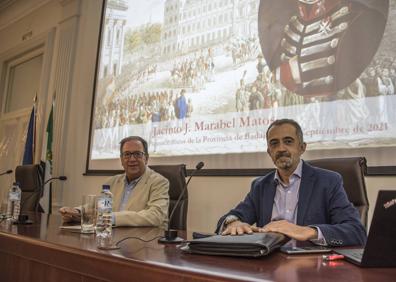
point(247, 245)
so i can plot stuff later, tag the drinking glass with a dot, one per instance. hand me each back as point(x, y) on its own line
point(88, 214)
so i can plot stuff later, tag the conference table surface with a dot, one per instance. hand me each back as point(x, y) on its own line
point(44, 252)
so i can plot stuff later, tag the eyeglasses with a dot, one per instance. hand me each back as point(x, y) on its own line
point(136, 155)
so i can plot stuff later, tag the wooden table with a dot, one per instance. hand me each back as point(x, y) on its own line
point(43, 252)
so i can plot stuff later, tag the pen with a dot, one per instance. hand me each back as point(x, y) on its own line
point(332, 257)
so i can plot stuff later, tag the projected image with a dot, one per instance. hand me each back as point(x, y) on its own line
point(319, 47)
point(207, 77)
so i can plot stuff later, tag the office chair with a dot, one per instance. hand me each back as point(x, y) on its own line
point(352, 171)
point(30, 179)
point(176, 174)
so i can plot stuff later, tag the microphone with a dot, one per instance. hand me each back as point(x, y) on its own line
point(62, 178)
point(6, 172)
point(24, 218)
point(170, 235)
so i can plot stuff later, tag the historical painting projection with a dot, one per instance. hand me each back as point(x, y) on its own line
point(202, 77)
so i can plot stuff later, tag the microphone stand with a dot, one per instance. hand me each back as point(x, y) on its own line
point(170, 235)
point(62, 178)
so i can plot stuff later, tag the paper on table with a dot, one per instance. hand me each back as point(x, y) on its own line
point(70, 227)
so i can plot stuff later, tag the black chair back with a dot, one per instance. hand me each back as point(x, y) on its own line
point(352, 171)
point(30, 179)
point(176, 174)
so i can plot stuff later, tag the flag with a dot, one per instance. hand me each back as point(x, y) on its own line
point(28, 155)
point(45, 201)
point(48, 154)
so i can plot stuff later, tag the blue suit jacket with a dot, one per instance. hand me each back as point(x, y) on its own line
point(322, 202)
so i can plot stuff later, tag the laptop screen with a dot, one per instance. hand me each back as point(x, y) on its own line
point(381, 243)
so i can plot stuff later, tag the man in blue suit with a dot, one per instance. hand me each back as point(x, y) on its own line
point(298, 200)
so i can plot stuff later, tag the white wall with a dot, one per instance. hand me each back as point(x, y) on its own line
point(210, 197)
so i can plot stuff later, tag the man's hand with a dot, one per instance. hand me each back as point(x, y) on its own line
point(70, 214)
point(239, 228)
point(297, 232)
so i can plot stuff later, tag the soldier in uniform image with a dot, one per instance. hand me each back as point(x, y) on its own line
point(317, 47)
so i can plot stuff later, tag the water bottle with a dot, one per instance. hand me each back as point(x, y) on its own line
point(14, 202)
point(105, 218)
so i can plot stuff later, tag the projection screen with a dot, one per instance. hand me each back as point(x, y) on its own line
point(203, 79)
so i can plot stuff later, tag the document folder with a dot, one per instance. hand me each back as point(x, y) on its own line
point(247, 245)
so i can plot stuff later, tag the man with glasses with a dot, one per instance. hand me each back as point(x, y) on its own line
point(140, 195)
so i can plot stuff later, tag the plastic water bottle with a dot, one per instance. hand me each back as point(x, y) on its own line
point(105, 218)
point(14, 202)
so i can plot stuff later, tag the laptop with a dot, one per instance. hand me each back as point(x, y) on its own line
point(380, 249)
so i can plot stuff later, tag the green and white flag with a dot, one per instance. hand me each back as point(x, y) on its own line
point(47, 193)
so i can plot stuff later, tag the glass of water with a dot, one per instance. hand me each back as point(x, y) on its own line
point(88, 214)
